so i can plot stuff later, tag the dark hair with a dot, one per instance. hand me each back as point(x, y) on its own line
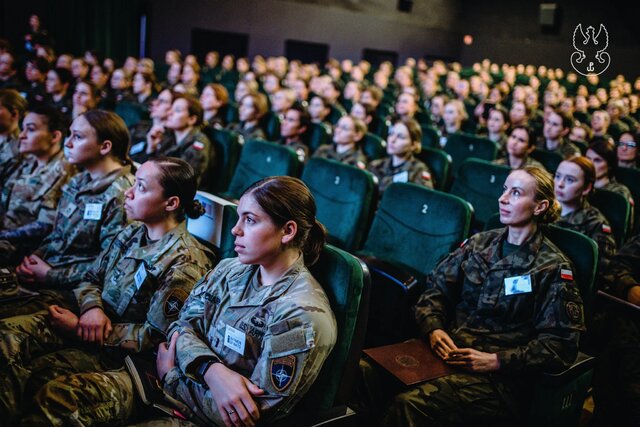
point(284, 199)
point(530, 134)
point(305, 118)
point(194, 107)
point(605, 147)
point(54, 119)
point(40, 64)
point(567, 121)
point(177, 178)
point(414, 128)
point(13, 101)
point(501, 110)
point(109, 126)
point(63, 74)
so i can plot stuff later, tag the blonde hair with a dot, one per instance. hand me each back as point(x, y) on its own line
point(545, 191)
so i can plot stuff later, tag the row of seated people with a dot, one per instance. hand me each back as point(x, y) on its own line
point(131, 296)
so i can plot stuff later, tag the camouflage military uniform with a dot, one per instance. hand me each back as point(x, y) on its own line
point(9, 156)
point(90, 213)
point(529, 331)
point(411, 170)
point(33, 191)
point(253, 132)
point(592, 223)
point(566, 148)
point(529, 161)
point(195, 149)
point(620, 188)
point(352, 157)
point(140, 285)
point(617, 374)
point(301, 149)
point(288, 331)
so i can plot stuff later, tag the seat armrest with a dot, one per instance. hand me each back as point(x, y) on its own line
point(582, 364)
point(397, 274)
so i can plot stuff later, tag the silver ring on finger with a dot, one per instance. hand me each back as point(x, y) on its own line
point(231, 412)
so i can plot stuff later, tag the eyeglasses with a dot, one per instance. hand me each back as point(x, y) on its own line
point(629, 144)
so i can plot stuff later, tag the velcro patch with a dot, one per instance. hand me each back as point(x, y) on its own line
point(573, 311)
point(174, 301)
point(566, 274)
point(282, 371)
point(198, 145)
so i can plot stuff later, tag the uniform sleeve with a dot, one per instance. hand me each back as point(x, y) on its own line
point(603, 237)
point(69, 276)
point(192, 323)
point(423, 176)
point(436, 305)
point(623, 271)
point(558, 322)
point(294, 350)
point(197, 155)
point(28, 235)
point(166, 303)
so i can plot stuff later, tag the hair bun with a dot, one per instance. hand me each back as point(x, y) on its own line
point(195, 210)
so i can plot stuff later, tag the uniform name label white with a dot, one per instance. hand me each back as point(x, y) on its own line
point(517, 285)
point(140, 275)
point(93, 211)
point(234, 339)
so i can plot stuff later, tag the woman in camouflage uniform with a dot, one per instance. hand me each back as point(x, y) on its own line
point(573, 182)
point(500, 308)
point(347, 135)
point(403, 142)
point(520, 145)
point(126, 302)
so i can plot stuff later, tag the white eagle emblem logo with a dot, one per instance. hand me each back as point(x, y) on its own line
point(590, 57)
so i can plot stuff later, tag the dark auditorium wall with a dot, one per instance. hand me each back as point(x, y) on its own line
point(347, 26)
point(509, 31)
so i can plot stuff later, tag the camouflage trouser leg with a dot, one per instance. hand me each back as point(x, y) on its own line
point(34, 304)
point(457, 399)
point(83, 400)
point(22, 338)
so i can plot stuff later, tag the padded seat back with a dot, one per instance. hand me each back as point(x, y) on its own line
point(440, 164)
point(227, 148)
point(260, 159)
point(345, 280)
point(480, 183)
point(549, 160)
point(463, 146)
point(616, 208)
point(631, 178)
point(270, 123)
point(416, 226)
point(131, 113)
point(344, 198)
point(430, 137)
point(374, 147)
point(318, 134)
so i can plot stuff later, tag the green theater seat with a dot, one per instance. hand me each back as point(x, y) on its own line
point(260, 159)
point(345, 198)
point(227, 149)
point(616, 208)
point(549, 160)
point(462, 146)
point(317, 135)
point(374, 147)
point(440, 164)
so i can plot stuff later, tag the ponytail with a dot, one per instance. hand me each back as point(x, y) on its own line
point(315, 242)
point(194, 210)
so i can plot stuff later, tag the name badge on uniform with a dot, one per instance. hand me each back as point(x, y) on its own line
point(517, 285)
point(93, 211)
point(137, 148)
point(401, 177)
point(234, 339)
point(69, 209)
point(140, 275)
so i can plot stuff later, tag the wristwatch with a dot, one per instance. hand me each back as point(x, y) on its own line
point(202, 369)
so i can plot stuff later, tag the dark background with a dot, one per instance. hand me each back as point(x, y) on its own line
point(504, 31)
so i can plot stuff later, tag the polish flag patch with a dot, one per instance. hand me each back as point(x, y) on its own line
point(426, 176)
point(361, 165)
point(198, 145)
point(463, 243)
point(566, 274)
point(606, 228)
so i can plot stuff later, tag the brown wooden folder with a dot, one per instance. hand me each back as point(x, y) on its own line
point(412, 361)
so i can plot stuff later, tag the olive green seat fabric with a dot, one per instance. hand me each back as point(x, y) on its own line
point(227, 149)
point(439, 163)
point(480, 183)
point(616, 208)
point(549, 160)
point(462, 146)
point(260, 159)
point(345, 197)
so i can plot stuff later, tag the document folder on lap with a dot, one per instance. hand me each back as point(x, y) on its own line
point(412, 361)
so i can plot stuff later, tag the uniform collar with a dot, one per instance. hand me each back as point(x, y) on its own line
point(100, 184)
point(238, 285)
point(524, 256)
point(161, 247)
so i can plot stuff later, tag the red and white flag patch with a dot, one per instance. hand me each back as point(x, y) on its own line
point(566, 274)
point(198, 145)
point(426, 176)
point(606, 228)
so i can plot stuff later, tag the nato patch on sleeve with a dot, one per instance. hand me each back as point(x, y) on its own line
point(283, 370)
point(174, 301)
